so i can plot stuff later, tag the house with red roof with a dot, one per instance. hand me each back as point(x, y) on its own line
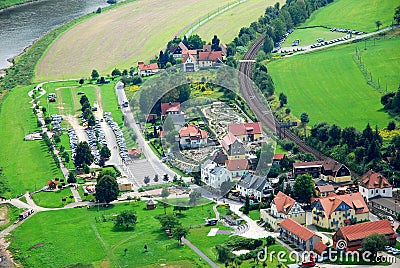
point(297, 234)
point(247, 132)
point(324, 190)
point(233, 147)
point(192, 136)
point(335, 211)
point(237, 167)
point(210, 59)
point(278, 158)
point(189, 62)
point(283, 207)
point(170, 108)
point(176, 51)
point(374, 184)
point(147, 69)
point(355, 234)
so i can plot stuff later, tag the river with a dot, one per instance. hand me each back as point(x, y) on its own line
point(22, 25)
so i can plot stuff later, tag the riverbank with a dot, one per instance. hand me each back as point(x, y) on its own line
point(15, 3)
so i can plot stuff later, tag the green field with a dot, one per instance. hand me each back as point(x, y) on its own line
point(358, 15)
point(228, 24)
point(8, 215)
point(8, 3)
point(329, 86)
point(309, 36)
point(76, 234)
point(24, 163)
point(53, 199)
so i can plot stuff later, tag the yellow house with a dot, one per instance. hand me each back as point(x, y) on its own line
point(334, 171)
point(335, 211)
point(283, 207)
point(247, 132)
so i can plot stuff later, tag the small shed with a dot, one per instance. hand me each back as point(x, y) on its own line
point(151, 204)
point(52, 184)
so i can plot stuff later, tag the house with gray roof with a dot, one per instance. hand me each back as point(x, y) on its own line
point(255, 187)
point(214, 175)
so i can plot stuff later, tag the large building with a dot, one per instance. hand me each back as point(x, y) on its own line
point(192, 137)
point(233, 147)
point(214, 175)
point(247, 132)
point(355, 234)
point(170, 108)
point(147, 69)
point(255, 187)
point(283, 207)
point(374, 184)
point(335, 211)
point(237, 167)
point(298, 235)
point(334, 171)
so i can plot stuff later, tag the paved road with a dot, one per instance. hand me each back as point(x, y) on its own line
point(200, 253)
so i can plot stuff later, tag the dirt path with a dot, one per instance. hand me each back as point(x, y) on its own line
point(60, 101)
point(80, 131)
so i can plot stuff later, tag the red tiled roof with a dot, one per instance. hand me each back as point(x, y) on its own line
point(187, 56)
point(326, 188)
point(189, 52)
point(279, 156)
point(170, 107)
point(147, 67)
point(237, 164)
point(297, 229)
point(244, 129)
point(150, 117)
point(362, 230)
point(320, 247)
point(283, 202)
point(210, 56)
point(192, 131)
point(372, 180)
point(228, 140)
point(134, 151)
point(353, 200)
point(162, 133)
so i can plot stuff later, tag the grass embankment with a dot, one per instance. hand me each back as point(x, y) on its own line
point(8, 215)
point(155, 24)
point(355, 15)
point(53, 199)
point(100, 244)
point(25, 163)
point(228, 24)
point(337, 92)
point(10, 3)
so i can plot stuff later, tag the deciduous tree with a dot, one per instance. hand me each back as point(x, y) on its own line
point(126, 218)
point(106, 189)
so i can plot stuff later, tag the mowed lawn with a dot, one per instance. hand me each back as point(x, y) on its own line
point(329, 86)
point(227, 25)
point(120, 37)
point(24, 163)
point(354, 14)
point(76, 234)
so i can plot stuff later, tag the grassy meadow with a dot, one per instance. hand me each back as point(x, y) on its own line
point(329, 85)
point(9, 3)
point(53, 199)
point(358, 15)
point(25, 163)
point(309, 36)
point(228, 24)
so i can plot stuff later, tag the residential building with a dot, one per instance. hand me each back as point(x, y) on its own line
point(257, 188)
point(247, 132)
point(237, 167)
point(170, 108)
point(219, 157)
point(300, 236)
point(324, 190)
point(355, 234)
point(192, 137)
point(147, 69)
point(178, 120)
point(151, 118)
point(176, 51)
point(385, 205)
point(233, 147)
point(277, 159)
point(214, 175)
point(334, 171)
point(189, 62)
point(335, 211)
point(374, 184)
point(134, 153)
point(210, 59)
point(313, 168)
point(283, 207)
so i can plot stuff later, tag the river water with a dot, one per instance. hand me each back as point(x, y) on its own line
point(22, 25)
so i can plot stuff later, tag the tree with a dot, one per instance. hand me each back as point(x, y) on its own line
point(83, 155)
point(98, 11)
point(270, 240)
point(146, 179)
point(282, 99)
point(224, 253)
point(304, 120)
point(83, 99)
point(274, 171)
point(303, 188)
point(246, 208)
point(116, 72)
point(396, 16)
point(194, 198)
point(81, 81)
point(268, 44)
point(155, 179)
point(374, 243)
point(378, 24)
point(106, 189)
point(288, 189)
point(165, 177)
point(391, 126)
point(195, 42)
point(56, 138)
point(126, 218)
point(164, 192)
point(71, 178)
point(105, 153)
point(215, 44)
point(168, 221)
point(95, 74)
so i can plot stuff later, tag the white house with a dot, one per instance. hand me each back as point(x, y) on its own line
point(189, 63)
point(147, 69)
point(237, 167)
point(210, 59)
point(374, 184)
point(214, 175)
point(255, 187)
point(192, 137)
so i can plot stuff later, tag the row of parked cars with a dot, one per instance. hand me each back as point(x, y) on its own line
point(340, 30)
point(392, 250)
point(101, 137)
point(279, 44)
point(93, 144)
point(321, 42)
point(73, 140)
point(123, 150)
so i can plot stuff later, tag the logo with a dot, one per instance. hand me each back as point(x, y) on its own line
point(341, 244)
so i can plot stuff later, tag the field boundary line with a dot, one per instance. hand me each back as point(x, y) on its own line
point(107, 250)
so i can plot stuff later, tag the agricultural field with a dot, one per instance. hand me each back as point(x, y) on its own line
point(337, 91)
point(358, 15)
point(142, 28)
point(228, 24)
point(102, 245)
point(309, 36)
point(24, 163)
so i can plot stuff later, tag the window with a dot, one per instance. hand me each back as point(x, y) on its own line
point(383, 191)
